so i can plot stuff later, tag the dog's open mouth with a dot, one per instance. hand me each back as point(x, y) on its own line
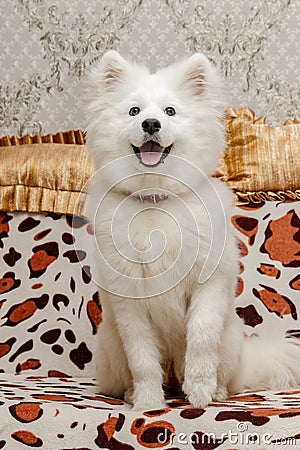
point(151, 153)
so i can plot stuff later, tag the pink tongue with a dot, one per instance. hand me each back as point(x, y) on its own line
point(151, 153)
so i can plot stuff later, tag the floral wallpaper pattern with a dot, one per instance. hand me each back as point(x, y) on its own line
point(48, 46)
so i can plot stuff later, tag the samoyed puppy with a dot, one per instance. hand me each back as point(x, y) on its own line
point(167, 255)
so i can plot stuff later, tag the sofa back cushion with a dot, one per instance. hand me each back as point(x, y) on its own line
point(269, 281)
point(49, 305)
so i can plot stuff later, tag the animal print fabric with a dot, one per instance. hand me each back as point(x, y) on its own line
point(50, 307)
point(49, 315)
point(269, 281)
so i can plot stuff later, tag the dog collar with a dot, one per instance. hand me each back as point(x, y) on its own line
point(150, 198)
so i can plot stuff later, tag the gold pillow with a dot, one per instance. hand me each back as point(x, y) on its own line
point(44, 173)
point(262, 162)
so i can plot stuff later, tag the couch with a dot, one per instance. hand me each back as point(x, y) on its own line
point(50, 308)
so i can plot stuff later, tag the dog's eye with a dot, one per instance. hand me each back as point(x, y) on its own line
point(170, 111)
point(134, 111)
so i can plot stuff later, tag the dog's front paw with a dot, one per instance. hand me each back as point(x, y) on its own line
point(200, 391)
point(146, 401)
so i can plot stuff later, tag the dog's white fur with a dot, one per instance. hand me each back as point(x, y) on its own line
point(192, 326)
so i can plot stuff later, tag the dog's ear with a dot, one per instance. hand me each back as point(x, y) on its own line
point(196, 72)
point(113, 69)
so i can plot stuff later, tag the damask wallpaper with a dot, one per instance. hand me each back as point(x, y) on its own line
point(48, 46)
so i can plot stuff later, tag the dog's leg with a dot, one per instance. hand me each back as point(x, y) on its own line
point(143, 355)
point(205, 324)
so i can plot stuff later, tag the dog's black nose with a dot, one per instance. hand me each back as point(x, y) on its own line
point(151, 126)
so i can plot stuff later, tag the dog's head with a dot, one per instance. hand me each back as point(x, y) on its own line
point(177, 110)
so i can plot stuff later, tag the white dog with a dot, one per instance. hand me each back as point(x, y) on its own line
point(157, 138)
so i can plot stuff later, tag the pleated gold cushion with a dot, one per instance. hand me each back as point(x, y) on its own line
point(262, 162)
point(49, 175)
